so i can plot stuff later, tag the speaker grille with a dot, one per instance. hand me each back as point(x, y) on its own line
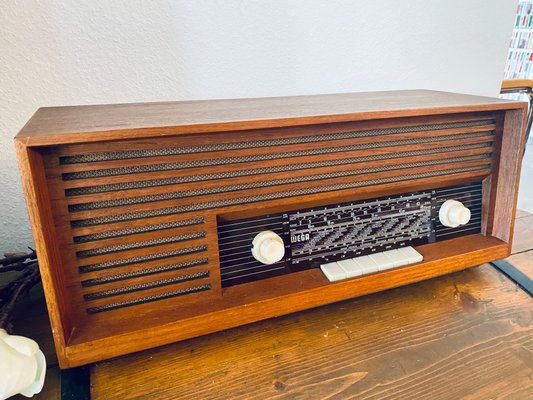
point(138, 217)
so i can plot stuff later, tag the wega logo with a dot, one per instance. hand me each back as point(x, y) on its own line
point(302, 237)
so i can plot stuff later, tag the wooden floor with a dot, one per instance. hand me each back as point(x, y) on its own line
point(468, 335)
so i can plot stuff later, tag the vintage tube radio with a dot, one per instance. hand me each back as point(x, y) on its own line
point(160, 222)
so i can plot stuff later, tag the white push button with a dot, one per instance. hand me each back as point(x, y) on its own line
point(364, 265)
point(453, 213)
point(398, 258)
point(412, 255)
point(382, 260)
point(268, 247)
point(333, 271)
point(368, 265)
point(351, 268)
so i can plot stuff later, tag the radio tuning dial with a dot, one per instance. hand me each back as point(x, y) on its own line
point(453, 213)
point(268, 247)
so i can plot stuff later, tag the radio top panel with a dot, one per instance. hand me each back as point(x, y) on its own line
point(97, 123)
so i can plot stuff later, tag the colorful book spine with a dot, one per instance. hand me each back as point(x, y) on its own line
point(520, 56)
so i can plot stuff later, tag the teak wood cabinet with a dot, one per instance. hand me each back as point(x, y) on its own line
point(124, 201)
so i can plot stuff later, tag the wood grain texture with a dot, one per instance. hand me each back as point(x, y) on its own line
point(468, 335)
point(44, 234)
point(508, 175)
point(114, 122)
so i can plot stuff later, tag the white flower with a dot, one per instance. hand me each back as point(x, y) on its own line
point(22, 366)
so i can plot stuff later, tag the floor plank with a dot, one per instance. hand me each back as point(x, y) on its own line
point(467, 335)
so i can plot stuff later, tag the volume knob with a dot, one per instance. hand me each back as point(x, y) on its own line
point(453, 213)
point(268, 247)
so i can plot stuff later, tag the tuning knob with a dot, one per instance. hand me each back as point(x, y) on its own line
point(268, 247)
point(453, 213)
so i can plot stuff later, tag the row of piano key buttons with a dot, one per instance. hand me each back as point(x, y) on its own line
point(364, 265)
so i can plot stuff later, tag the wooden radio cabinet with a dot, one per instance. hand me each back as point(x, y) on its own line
point(159, 222)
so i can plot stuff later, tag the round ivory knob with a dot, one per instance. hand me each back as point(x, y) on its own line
point(268, 247)
point(453, 213)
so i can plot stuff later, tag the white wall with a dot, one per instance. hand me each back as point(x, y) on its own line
point(64, 52)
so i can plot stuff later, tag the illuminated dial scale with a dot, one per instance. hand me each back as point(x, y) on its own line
point(276, 244)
